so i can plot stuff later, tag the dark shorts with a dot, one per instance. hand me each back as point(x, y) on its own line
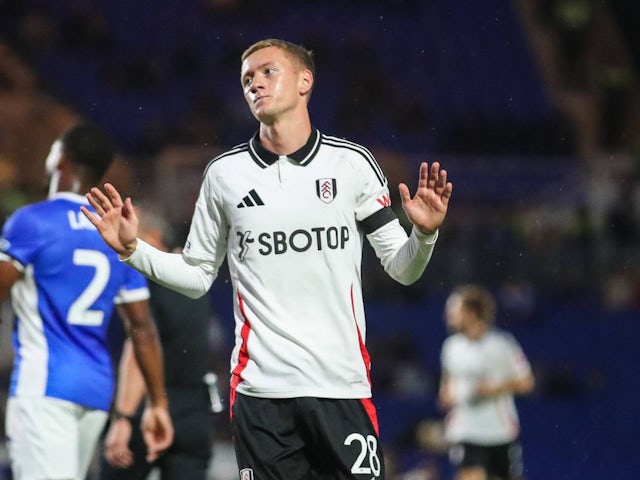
point(306, 438)
point(502, 461)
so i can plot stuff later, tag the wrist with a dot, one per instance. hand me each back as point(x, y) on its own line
point(128, 250)
point(506, 388)
point(160, 403)
point(428, 238)
point(131, 247)
point(117, 415)
point(158, 399)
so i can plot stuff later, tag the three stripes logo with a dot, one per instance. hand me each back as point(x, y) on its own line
point(252, 199)
point(326, 189)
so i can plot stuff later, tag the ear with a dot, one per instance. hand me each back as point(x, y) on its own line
point(64, 164)
point(68, 170)
point(305, 82)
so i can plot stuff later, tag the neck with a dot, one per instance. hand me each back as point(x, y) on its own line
point(59, 183)
point(285, 137)
point(476, 331)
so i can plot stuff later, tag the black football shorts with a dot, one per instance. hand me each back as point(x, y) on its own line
point(306, 439)
point(502, 461)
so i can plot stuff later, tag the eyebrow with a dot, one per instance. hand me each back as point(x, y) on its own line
point(258, 67)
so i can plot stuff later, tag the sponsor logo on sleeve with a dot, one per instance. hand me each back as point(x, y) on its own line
point(384, 200)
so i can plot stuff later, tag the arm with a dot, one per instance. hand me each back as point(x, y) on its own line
point(129, 394)
point(9, 274)
point(454, 393)
point(21, 238)
point(519, 381)
point(156, 425)
point(405, 259)
point(117, 223)
point(445, 396)
point(522, 385)
point(173, 270)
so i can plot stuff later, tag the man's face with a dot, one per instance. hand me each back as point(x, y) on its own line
point(455, 314)
point(272, 84)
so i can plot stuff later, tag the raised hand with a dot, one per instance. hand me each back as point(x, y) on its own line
point(115, 220)
point(428, 208)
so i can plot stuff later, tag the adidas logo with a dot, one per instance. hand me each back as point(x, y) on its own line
point(251, 200)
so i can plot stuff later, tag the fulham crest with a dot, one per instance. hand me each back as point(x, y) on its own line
point(326, 189)
point(246, 474)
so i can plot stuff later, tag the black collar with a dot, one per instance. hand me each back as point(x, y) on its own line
point(303, 156)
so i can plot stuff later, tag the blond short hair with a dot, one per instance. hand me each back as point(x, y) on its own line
point(297, 53)
point(478, 300)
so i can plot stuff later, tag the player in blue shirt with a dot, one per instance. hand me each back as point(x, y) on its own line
point(64, 282)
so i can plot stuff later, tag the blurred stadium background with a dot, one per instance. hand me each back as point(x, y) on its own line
point(531, 105)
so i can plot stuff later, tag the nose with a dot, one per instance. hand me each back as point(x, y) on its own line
point(257, 83)
point(255, 86)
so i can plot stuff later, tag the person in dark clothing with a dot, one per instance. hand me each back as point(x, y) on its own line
point(183, 324)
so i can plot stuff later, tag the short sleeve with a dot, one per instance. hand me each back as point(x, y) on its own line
point(21, 236)
point(134, 288)
point(444, 355)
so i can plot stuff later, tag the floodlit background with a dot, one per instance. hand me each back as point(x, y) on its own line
point(531, 105)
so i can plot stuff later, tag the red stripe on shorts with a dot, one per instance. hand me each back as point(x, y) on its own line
point(370, 408)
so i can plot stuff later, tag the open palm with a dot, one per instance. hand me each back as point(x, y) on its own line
point(428, 208)
point(115, 220)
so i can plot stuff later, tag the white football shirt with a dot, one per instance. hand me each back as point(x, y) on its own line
point(292, 229)
point(495, 357)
